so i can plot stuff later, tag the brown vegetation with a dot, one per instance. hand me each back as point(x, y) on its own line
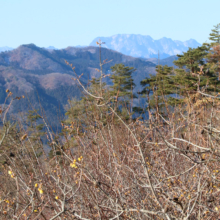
point(116, 169)
point(108, 165)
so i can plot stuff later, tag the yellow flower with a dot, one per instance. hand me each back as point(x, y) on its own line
point(35, 210)
point(73, 165)
point(79, 159)
point(40, 191)
point(7, 90)
point(36, 185)
point(56, 197)
point(9, 172)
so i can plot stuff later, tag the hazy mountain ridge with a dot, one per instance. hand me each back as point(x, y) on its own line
point(2, 49)
point(137, 45)
point(166, 61)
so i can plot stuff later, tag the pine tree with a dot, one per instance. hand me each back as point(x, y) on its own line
point(168, 88)
point(193, 67)
point(192, 59)
point(215, 35)
point(214, 53)
point(123, 85)
point(157, 88)
point(214, 59)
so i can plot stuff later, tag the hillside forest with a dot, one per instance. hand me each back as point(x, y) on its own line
point(144, 147)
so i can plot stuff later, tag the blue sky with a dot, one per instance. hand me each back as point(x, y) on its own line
point(63, 23)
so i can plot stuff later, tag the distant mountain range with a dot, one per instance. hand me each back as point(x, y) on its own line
point(51, 48)
point(137, 45)
point(2, 49)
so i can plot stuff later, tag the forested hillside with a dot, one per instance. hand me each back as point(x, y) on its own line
point(43, 77)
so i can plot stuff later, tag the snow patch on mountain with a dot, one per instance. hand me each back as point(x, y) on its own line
point(3, 49)
point(137, 45)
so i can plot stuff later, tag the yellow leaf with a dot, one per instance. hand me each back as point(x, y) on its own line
point(24, 137)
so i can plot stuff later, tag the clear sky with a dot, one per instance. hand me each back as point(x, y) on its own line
point(63, 23)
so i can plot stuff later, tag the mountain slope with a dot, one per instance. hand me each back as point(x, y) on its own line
point(42, 75)
point(137, 45)
point(166, 61)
